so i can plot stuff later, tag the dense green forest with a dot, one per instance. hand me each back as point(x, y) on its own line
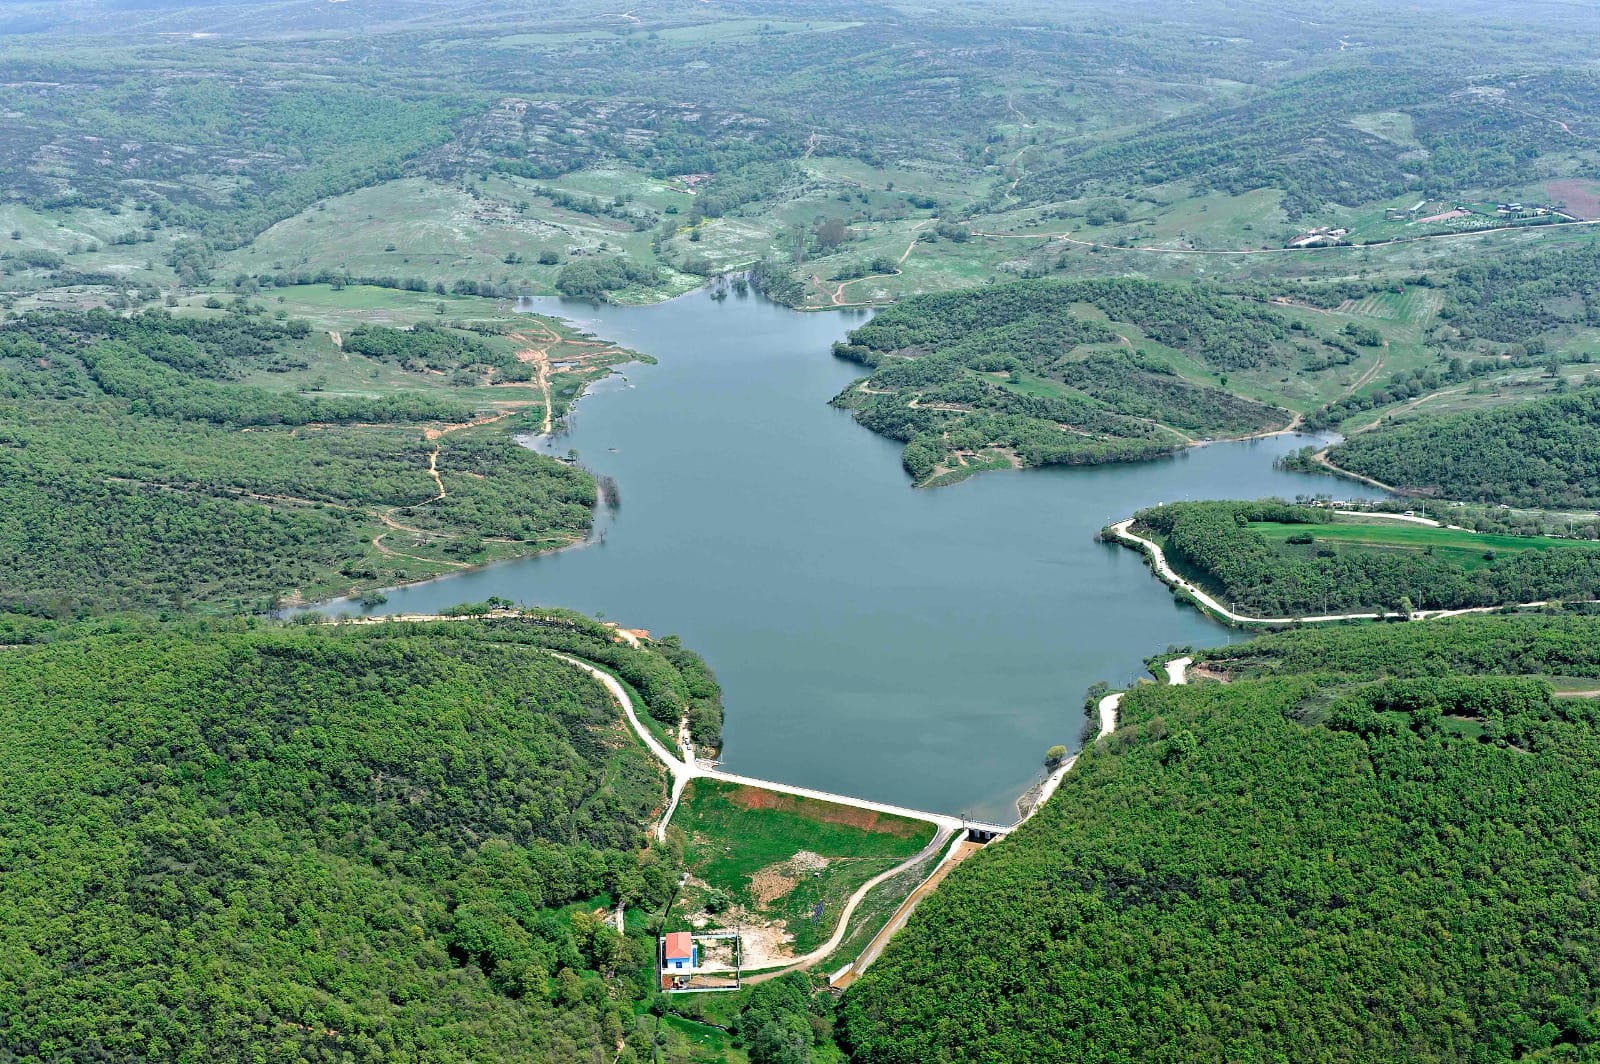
point(1516, 299)
point(1544, 453)
point(1315, 861)
point(1024, 367)
point(367, 843)
point(426, 347)
point(138, 471)
point(1312, 572)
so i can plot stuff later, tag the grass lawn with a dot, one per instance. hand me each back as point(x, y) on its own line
point(876, 909)
point(342, 308)
point(1466, 549)
point(786, 858)
point(704, 1043)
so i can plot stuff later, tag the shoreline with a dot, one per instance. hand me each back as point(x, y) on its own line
point(1321, 459)
point(951, 832)
point(527, 441)
point(1122, 533)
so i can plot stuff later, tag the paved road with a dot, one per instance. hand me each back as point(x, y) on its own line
point(948, 829)
point(1107, 708)
point(959, 851)
point(1177, 672)
point(681, 771)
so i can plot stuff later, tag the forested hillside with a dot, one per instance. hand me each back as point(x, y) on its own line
point(495, 149)
point(1544, 453)
point(351, 843)
point(1311, 862)
point(1465, 134)
point(1037, 370)
point(139, 470)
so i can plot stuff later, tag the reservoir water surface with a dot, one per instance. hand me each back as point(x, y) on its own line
point(918, 647)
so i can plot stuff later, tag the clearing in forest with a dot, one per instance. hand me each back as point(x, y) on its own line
point(778, 866)
point(1580, 197)
point(1470, 550)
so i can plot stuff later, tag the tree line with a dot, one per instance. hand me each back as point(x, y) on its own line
point(1019, 366)
point(1544, 453)
point(138, 473)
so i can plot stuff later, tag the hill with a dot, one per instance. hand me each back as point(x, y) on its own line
point(159, 460)
point(1544, 453)
point(1272, 559)
point(363, 842)
point(873, 152)
point(1313, 861)
point(1043, 373)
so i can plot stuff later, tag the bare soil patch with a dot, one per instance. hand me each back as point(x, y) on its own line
point(770, 884)
point(1582, 198)
point(763, 941)
point(827, 813)
point(775, 881)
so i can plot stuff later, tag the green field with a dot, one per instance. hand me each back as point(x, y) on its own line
point(703, 1043)
point(761, 850)
point(1457, 546)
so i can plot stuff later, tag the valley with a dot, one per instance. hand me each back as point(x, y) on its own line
point(799, 532)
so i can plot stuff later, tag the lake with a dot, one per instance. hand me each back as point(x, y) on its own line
point(917, 647)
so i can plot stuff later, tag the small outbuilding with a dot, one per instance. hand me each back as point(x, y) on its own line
point(679, 952)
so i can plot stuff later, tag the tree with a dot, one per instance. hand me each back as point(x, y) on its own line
point(784, 1039)
point(830, 233)
point(1055, 755)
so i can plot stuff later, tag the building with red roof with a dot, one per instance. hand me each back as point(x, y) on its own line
point(679, 952)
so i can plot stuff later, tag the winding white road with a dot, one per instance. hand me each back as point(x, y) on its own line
point(948, 830)
point(1107, 708)
point(822, 952)
point(683, 770)
point(1122, 530)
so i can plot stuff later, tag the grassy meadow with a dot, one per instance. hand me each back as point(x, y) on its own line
point(1469, 550)
point(785, 860)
